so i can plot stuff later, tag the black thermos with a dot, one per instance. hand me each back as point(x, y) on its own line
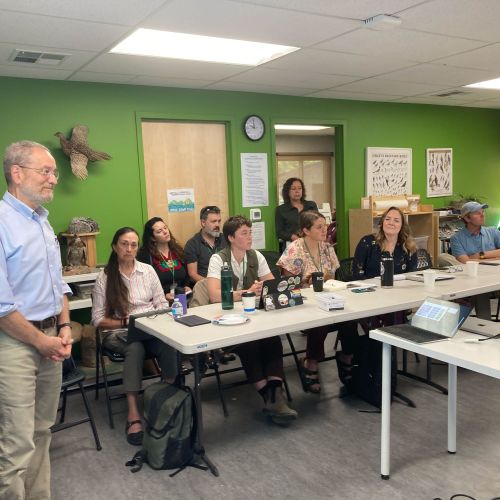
point(386, 270)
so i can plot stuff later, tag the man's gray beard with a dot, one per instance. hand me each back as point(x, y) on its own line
point(213, 234)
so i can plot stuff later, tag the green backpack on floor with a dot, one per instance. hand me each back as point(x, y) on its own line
point(170, 430)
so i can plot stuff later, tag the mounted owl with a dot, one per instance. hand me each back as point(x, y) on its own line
point(79, 151)
point(77, 252)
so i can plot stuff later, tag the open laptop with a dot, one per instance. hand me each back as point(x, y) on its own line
point(135, 334)
point(434, 320)
point(279, 293)
point(481, 327)
point(420, 277)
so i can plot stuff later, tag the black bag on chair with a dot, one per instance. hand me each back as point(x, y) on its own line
point(170, 430)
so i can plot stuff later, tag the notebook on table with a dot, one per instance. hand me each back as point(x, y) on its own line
point(481, 327)
point(135, 334)
point(434, 320)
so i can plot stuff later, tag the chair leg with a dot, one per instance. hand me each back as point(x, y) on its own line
point(297, 362)
point(63, 405)
point(219, 388)
point(287, 390)
point(91, 417)
point(106, 391)
point(97, 361)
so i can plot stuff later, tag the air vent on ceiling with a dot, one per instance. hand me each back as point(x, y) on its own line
point(32, 57)
point(452, 92)
point(382, 22)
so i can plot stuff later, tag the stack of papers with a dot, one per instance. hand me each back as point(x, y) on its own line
point(328, 301)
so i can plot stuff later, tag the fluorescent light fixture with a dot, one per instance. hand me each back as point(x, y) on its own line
point(155, 43)
point(300, 127)
point(487, 84)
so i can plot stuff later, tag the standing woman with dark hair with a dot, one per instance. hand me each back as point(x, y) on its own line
point(306, 255)
point(161, 250)
point(294, 203)
point(126, 286)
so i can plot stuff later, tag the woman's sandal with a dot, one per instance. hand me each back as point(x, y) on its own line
point(345, 366)
point(309, 378)
point(134, 438)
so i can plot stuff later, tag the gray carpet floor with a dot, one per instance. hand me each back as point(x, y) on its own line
point(331, 452)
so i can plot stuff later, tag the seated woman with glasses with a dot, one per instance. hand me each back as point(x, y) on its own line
point(262, 360)
point(161, 250)
point(126, 286)
point(306, 255)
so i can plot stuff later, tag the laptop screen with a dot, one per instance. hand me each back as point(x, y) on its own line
point(440, 316)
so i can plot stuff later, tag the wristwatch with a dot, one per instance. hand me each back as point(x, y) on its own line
point(481, 255)
point(62, 325)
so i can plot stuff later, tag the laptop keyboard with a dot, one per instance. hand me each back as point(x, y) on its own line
point(412, 333)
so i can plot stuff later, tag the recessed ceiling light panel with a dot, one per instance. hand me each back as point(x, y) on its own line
point(155, 43)
point(487, 84)
point(300, 127)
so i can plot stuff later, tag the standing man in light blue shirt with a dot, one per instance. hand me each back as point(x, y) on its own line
point(35, 333)
point(476, 242)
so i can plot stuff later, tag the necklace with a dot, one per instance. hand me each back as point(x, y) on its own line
point(317, 266)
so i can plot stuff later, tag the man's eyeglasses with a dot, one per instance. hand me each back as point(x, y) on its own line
point(45, 171)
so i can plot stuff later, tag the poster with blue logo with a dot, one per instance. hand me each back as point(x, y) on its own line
point(180, 200)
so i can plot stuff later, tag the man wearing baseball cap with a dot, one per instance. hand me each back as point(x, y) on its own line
point(476, 242)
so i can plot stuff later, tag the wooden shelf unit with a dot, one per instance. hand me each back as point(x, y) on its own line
point(363, 221)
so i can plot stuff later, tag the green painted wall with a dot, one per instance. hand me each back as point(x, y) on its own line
point(36, 109)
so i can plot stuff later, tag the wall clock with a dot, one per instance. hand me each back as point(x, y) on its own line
point(254, 127)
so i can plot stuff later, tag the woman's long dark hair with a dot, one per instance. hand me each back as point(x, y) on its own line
point(117, 299)
point(149, 243)
point(285, 191)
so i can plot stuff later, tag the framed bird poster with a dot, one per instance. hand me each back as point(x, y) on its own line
point(388, 171)
point(439, 172)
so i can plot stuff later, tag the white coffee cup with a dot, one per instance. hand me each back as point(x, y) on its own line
point(429, 277)
point(471, 267)
point(248, 300)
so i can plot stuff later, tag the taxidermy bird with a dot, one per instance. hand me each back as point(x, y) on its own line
point(78, 150)
point(77, 252)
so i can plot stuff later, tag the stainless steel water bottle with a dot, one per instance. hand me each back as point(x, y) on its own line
point(386, 270)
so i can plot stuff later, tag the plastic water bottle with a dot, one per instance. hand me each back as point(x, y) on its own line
point(226, 287)
point(181, 295)
point(177, 309)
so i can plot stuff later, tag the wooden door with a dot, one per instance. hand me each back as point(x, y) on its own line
point(181, 155)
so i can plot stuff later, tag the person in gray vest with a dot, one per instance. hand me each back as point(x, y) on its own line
point(262, 359)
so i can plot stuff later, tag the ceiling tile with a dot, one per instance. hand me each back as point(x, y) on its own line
point(171, 82)
point(158, 66)
point(279, 77)
point(268, 89)
point(46, 31)
point(439, 74)
point(486, 58)
point(338, 63)
point(492, 104)
point(390, 87)
point(357, 96)
point(224, 18)
point(360, 9)
point(127, 12)
point(30, 72)
point(402, 43)
point(474, 19)
point(89, 76)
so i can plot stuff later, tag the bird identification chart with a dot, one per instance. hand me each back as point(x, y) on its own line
point(439, 172)
point(388, 171)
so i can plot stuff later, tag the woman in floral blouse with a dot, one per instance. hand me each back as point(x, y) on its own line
point(306, 255)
